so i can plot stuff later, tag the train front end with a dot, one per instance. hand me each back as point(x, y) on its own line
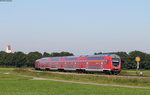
point(115, 64)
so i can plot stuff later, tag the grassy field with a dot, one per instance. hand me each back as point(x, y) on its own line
point(12, 84)
point(145, 82)
point(133, 72)
point(6, 70)
point(15, 85)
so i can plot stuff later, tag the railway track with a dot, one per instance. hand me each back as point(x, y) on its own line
point(95, 74)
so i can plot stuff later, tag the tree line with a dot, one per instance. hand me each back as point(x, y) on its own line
point(21, 59)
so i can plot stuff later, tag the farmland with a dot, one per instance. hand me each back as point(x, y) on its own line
point(12, 83)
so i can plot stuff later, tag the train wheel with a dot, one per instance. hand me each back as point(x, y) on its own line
point(61, 70)
point(115, 73)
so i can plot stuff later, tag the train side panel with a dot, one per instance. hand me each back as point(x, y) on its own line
point(81, 63)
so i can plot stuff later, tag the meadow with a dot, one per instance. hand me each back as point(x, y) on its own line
point(145, 82)
point(11, 83)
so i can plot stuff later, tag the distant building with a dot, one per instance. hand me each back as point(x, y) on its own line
point(8, 49)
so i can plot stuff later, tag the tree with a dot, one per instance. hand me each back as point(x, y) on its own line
point(19, 59)
point(32, 57)
point(146, 64)
point(55, 54)
point(6, 58)
point(65, 54)
point(2, 57)
point(132, 63)
point(45, 54)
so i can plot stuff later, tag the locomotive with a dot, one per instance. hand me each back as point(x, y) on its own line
point(107, 63)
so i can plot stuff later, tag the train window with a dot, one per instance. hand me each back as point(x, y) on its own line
point(87, 63)
point(115, 62)
point(54, 59)
point(43, 59)
point(105, 62)
point(95, 58)
point(70, 59)
point(115, 59)
point(97, 62)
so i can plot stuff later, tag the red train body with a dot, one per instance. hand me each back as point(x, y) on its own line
point(109, 63)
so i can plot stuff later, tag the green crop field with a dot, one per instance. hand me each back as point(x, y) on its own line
point(13, 84)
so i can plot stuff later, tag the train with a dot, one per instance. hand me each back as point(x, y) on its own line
point(107, 63)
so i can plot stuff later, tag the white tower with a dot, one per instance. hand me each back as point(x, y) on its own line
point(8, 49)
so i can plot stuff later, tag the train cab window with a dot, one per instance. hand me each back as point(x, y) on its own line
point(115, 62)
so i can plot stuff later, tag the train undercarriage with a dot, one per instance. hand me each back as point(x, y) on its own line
point(108, 72)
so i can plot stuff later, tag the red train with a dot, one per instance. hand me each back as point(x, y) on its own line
point(109, 63)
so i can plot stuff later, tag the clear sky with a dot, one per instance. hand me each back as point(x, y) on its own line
point(78, 26)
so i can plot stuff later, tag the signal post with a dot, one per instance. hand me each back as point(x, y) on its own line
point(137, 59)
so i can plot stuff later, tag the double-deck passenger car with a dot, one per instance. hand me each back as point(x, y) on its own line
point(108, 63)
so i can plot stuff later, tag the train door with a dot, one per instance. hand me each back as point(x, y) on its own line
point(47, 65)
point(81, 65)
point(53, 65)
point(61, 65)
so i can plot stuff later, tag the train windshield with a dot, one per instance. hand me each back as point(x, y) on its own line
point(115, 62)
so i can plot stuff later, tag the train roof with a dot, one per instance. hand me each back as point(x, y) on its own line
point(74, 57)
point(103, 55)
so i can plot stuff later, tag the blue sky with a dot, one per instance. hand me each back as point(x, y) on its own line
point(78, 26)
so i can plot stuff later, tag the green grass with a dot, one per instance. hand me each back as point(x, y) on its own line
point(6, 74)
point(38, 87)
point(133, 72)
point(12, 84)
point(32, 87)
point(88, 78)
point(6, 69)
